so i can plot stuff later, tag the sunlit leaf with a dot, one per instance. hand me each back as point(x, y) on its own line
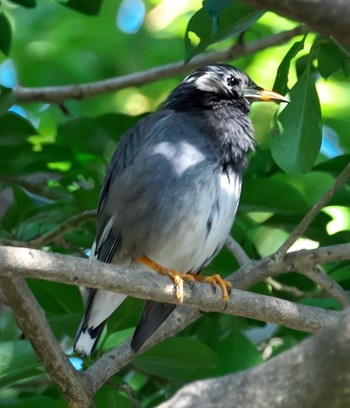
point(272, 195)
point(298, 143)
point(221, 23)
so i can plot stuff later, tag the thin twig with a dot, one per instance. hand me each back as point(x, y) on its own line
point(68, 225)
point(313, 212)
point(51, 236)
point(237, 251)
point(57, 94)
point(290, 290)
point(317, 275)
point(32, 321)
point(35, 188)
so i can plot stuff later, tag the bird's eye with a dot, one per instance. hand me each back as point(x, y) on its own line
point(233, 81)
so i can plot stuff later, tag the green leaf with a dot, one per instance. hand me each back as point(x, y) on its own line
point(18, 362)
point(335, 165)
point(89, 7)
point(228, 22)
point(117, 338)
point(272, 196)
point(25, 3)
point(214, 8)
point(37, 401)
point(296, 147)
point(14, 127)
point(236, 353)
point(111, 397)
point(5, 34)
point(7, 99)
point(56, 298)
point(178, 359)
point(331, 58)
point(22, 204)
point(281, 81)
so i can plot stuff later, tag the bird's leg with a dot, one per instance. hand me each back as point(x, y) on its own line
point(216, 280)
point(176, 276)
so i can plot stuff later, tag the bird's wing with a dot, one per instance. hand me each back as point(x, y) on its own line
point(101, 304)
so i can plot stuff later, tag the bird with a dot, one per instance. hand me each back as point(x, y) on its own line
point(171, 192)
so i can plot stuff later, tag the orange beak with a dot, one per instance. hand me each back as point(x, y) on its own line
point(263, 95)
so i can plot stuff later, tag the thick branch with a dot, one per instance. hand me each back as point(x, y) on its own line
point(32, 321)
point(58, 94)
point(72, 270)
point(318, 367)
point(329, 17)
point(147, 285)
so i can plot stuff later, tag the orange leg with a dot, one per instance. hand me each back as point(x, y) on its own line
point(178, 278)
point(216, 280)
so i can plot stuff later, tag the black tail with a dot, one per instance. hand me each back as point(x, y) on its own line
point(153, 316)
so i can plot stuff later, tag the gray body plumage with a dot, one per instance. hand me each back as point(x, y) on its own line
point(171, 194)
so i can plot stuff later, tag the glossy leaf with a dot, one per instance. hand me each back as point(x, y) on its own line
point(221, 23)
point(111, 397)
point(236, 353)
point(214, 8)
point(331, 58)
point(298, 143)
point(14, 128)
point(17, 362)
point(5, 34)
point(281, 81)
point(178, 359)
point(272, 195)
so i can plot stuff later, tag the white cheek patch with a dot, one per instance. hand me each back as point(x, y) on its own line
point(204, 83)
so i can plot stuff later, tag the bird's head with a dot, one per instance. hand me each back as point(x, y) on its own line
point(218, 82)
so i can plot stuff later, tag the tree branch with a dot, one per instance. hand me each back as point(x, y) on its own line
point(314, 211)
point(319, 369)
point(71, 223)
point(58, 94)
point(71, 270)
point(329, 17)
point(32, 321)
point(237, 251)
point(317, 275)
point(25, 262)
point(56, 233)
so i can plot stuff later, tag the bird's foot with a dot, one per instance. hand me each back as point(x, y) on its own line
point(176, 276)
point(214, 280)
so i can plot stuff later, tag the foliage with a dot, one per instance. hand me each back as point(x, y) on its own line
point(52, 165)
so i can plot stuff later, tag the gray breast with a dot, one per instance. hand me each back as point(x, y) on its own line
point(174, 204)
